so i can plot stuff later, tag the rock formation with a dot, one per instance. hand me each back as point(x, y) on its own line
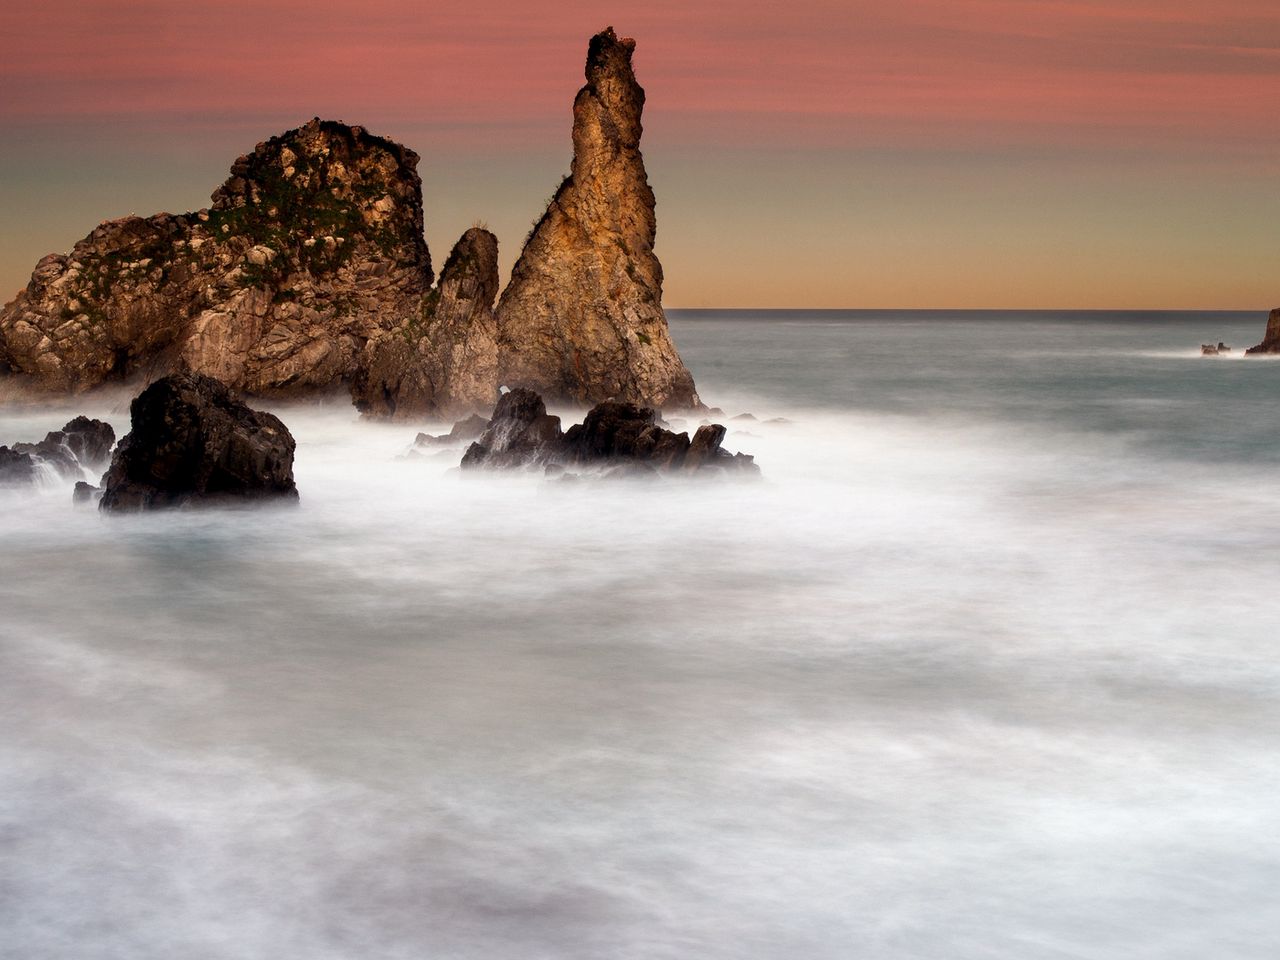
point(310, 272)
point(443, 360)
point(312, 247)
point(191, 441)
point(1271, 340)
point(615, 437)
point(581, 319)
point(81, 448)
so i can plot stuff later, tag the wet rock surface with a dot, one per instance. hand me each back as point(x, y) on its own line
point(615, 438)
point(81, 448)
point(463, 431)
point(581, 320)
point(1271, 339)
point(193, 441)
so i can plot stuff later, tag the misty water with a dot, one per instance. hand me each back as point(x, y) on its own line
point(987, 666)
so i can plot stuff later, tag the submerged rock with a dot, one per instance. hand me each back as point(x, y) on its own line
point(581, 320)
point(85, 493)
point(615, 439)
point(1271, 339)
point(16, 469)
point(192, 440)
point(464, 430)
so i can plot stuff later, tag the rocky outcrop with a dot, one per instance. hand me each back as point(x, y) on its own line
point(520, 434)
point(444, 360)
point(464, 431)
point(80, 449)
point(193, 441)
point(309, 272)
point(1271, 340)
point(614, 438)
point(311, 248)
point(581, 320)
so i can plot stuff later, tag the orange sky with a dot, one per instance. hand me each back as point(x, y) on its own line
point(862, 154)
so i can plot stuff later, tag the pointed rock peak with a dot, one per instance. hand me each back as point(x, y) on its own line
point(581, 319)
point(472, 263)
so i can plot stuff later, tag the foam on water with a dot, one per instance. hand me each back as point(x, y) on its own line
point(989, 678)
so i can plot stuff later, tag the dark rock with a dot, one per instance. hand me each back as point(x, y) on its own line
point(705, 445)
point(85, 492)
point(81, 447)
point(469, 429)
point(620, 439)
point(1271, 339)
point(16, 469)
point(90, 441)
point(520, 433)
point(191, 441)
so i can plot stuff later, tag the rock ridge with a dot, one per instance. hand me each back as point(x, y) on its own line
point(1271, 339)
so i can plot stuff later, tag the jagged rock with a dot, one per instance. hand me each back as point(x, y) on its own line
point(16, 469)
point(312, 248)
point(1271, 340)
point(192, 440)
point(85, 492)
point(520, 433)
point(469, 429)
point(444, 360)
point(581, 319)
point(614, 431)
point(80, 448)
point(617, 439)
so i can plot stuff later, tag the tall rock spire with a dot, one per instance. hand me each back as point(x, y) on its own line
point(581, 319)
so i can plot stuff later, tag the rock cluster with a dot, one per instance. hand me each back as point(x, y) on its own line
point(615, 437)
point(1271, 339)
point(309, 272)
point(193, 441)
point(81, 448)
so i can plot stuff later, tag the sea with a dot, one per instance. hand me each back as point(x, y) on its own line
point(986, 666)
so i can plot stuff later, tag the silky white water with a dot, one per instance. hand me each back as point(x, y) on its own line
point(987, 666)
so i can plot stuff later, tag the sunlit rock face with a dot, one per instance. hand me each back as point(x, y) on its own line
point(582, 319)
point(311, 248)
point(444, 360)
point(310, 273)
point(1271, 340)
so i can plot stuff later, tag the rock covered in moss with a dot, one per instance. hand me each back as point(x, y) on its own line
point(192, 440)
point(312, 247)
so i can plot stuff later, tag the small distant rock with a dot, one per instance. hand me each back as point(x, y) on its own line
point(192, 441)
point(85, 493)
point(744, 416)
point(469, 429)
point(16, 469)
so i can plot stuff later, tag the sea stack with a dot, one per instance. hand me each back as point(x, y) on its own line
point(1271, 340)
point(312, 247)
point(581, 320)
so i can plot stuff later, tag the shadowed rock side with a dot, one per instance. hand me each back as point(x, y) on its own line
point(444, 360)
point(581, 319)
point(312, 247)
point(1271, 339)
point(616, 438)
point(192, 440)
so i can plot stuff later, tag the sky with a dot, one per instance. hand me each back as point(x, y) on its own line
point(813, 153)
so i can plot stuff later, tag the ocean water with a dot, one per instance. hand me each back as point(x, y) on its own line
point(986, 666)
